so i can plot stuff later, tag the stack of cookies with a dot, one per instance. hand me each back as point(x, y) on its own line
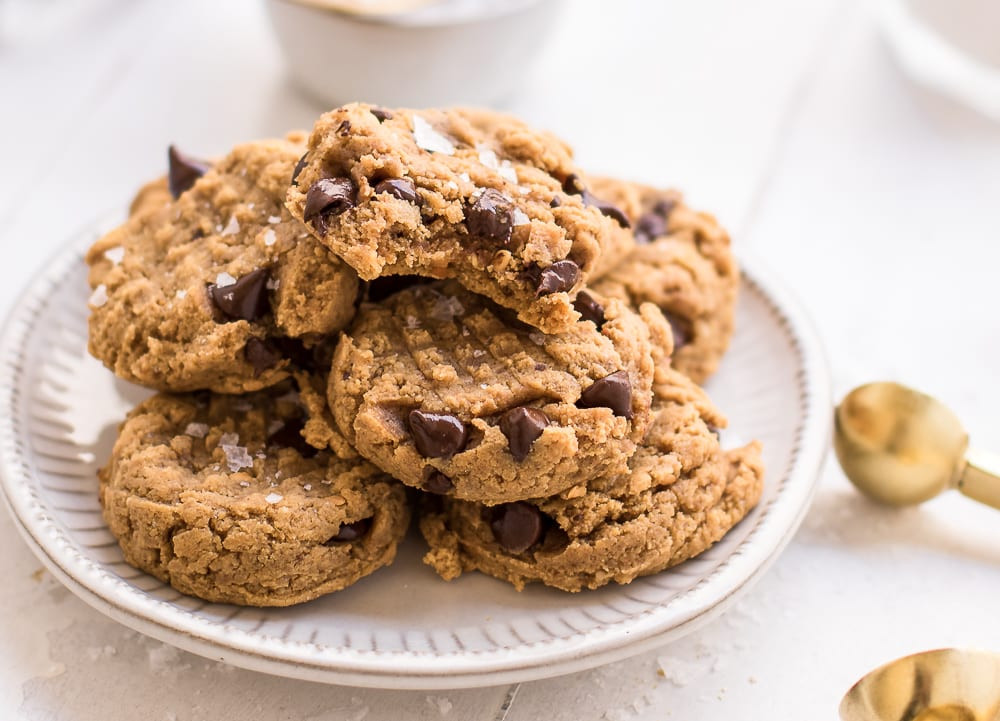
point(431, 312)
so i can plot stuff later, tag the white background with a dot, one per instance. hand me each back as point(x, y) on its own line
point(878, 204)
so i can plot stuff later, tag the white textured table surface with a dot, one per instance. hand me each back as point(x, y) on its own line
point(878, 204)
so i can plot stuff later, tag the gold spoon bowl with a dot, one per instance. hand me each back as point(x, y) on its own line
point(943, 685)
point(902, 447)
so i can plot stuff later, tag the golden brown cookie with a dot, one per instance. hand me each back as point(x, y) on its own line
point(209, 291)
point(221, 497)
point(681, 494)
point(448, 392)
point(470, 195)
point(682, 263)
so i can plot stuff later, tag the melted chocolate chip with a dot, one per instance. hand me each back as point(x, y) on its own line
point(573, 185)
point(298, 169)
point(261, 355)
point(589, 309)
point(438, 483)
point(491, 216)
point(350, 532)
point(664, 207)
point(612, 391)
point(402, 188)
point(606, 208)
point(516, 526)
point(290, 436)
point(522, 425)
point(558, 277)
point(327, 198)
point(344, 129)
point(679, 327)
point(437, 435)
point(183, 170)
point(649, 227)
point(246, 299)
point(555, 202)
point(381, 288)
point(382, 114)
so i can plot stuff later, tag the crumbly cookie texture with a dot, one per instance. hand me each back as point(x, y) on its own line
point(464, 194)
point(682, 493)
point(682, 263)
point(221, 497)
point(448, 392)
point(209, 290)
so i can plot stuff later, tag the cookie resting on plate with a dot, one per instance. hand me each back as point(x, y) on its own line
point(469, 195)
point(211, 284)
point(682, 263)
point(447, 392)
point(682, 493)
point(221, 497)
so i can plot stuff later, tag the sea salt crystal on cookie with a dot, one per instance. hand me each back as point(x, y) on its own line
point(270, 238)
point(99, 297)
point(427, 138)
point(232, 227)
point(224, 280)
point(196, 430)
point(274, 219)
point(273, 497)
point(181, 294)
point(520, 217)
point(115, 254)
point(507, 172)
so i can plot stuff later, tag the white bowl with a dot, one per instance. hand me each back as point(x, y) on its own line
point(462, 53)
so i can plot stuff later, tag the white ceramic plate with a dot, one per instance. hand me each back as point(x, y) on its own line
point(402, 627)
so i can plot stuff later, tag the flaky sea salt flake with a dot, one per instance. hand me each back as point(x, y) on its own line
point(429, 139)
point(224, 280)
point(273, 497)
point(232, 227)
point(115, 254)
point(520, 217)
point(99, 297)
point(181, 294)
point(270, 238)
point(196, 430)
point(274, 219)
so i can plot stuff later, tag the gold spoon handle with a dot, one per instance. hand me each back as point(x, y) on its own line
point(981, 478)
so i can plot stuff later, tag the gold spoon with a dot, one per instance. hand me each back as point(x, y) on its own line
point(902, 447)
point(944, 685)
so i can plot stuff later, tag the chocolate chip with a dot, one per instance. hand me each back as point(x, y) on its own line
point(589, 309)
point(290, 436)
point(382, 114)
point(437, 435)
point(438, 483)
point(402, 188)
point(612, 391)
point(573, 185)
point(649, 227)
point(183, 171)
point(261, 355)
point(561, 275)
point(246, 299)
point(664, 207)
point(516, 526)
point(344, 129)
point(522, 425)
point(350, 532)
point(679, 327)
point(491, 216)
point(381, 288)
point(298, 169)
point(555, 202)
point(326, 198)
point(606, 208)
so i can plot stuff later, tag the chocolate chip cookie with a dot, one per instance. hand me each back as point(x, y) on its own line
point(681, 494)
point(221, 497)
point(448, 392)
point(682, 262)
point(470, 195)
point(209, 283)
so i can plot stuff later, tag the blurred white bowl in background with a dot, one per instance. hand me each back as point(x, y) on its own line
point(952, 46)
point(472, 52)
